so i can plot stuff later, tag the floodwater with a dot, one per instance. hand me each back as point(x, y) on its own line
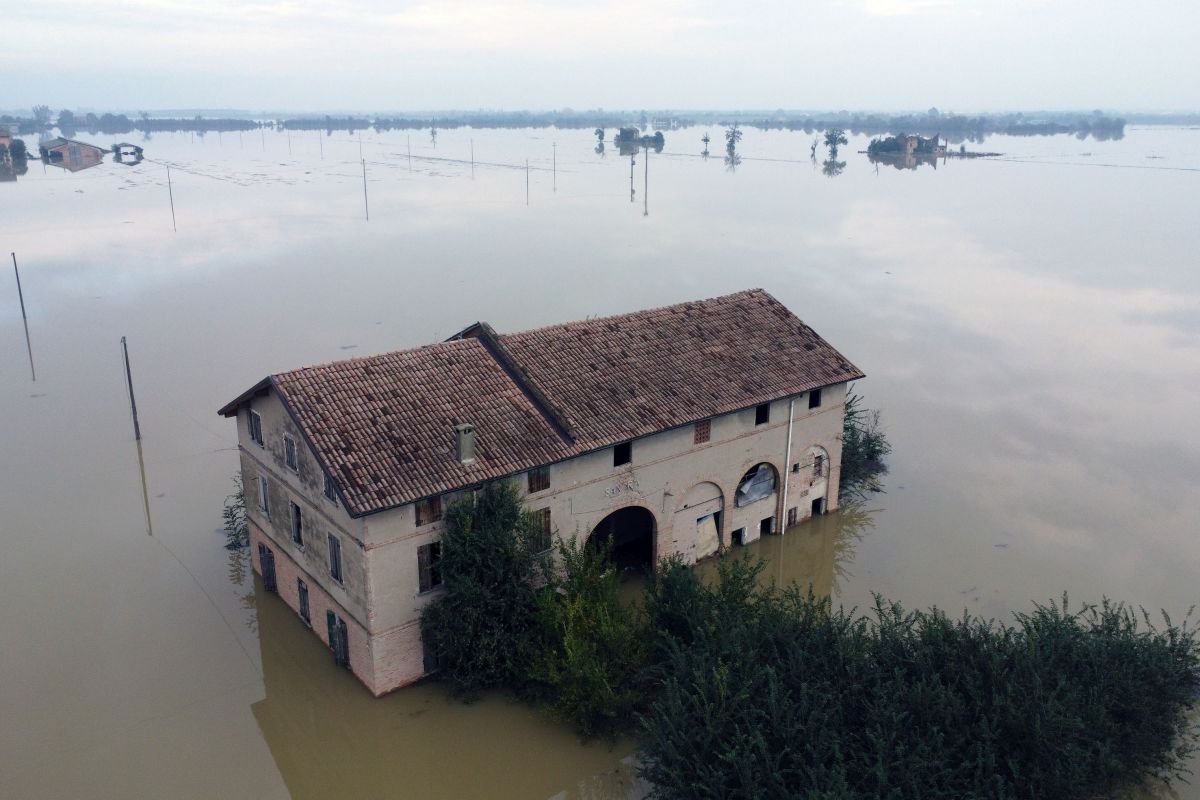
point(1030, 327)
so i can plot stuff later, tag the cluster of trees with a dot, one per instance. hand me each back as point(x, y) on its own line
point(739, 688)
point(955, 127)
point(70, 123)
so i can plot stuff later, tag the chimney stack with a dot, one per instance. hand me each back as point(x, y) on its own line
point(465, 443)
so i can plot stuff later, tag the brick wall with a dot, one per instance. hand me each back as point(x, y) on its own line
point(362, 664)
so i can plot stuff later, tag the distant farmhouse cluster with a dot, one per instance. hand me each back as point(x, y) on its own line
point(677, 431)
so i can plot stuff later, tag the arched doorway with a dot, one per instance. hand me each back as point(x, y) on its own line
point(631, 531)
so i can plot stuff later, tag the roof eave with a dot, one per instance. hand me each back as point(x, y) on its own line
point(230, 409)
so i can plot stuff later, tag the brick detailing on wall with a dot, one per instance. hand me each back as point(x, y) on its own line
point(362, 663)
point(399, 657)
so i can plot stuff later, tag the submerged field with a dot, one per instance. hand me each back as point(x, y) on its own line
point(1030, 327)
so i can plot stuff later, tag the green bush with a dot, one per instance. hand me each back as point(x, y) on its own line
point(772, 693)
point(591, 648)
point(492, 568)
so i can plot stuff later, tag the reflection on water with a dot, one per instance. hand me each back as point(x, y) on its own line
point(816, 554)
point(831, 167)
point(330, 738)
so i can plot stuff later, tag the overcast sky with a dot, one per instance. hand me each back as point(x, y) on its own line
point(535, 54)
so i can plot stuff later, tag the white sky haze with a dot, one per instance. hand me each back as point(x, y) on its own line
point(536, 54)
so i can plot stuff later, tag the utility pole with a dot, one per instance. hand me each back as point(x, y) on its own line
point(646, 186)
point(137, 430)
point(24, 319)
point(366, 209)
point(171, 196)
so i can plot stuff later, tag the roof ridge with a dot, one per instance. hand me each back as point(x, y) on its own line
point(492, 343)
point(644, 312)
point(372, 356)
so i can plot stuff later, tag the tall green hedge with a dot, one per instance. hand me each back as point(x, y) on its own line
point(771, 693)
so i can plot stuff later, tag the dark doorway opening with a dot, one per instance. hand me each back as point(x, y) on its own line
point(631, 532)
point(818, 506)
point(766, 526)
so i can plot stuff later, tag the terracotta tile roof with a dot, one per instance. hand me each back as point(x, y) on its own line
point(622, 377)
point(383, 426)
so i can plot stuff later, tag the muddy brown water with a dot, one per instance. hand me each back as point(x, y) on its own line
point(1030, 327)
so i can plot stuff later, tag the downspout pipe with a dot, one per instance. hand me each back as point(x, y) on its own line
point(787, 467)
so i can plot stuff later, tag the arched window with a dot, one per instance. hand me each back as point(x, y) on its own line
point(819, 459)
point(758, 482)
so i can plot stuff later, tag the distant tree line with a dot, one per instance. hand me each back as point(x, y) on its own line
point(955, 127)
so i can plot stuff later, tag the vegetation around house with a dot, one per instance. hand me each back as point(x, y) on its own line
point(737, 689)
point(864, 448)
point(768, 692)
point(237, 530)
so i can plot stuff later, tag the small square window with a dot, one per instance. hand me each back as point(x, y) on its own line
point(738, 537)
point(762, 414)
point(289, 454)
point(330, 489)
point(539, 479)
point(429, 510)
point(264, 497)
point(254, 423)
point(541, 530)
point(703, 431)
point(429, 566)
point(297, 524)
point(793, 516)
point(622, 453)
point(335, 558)
point(814, 398)
point(766, 526)
point(302, 593)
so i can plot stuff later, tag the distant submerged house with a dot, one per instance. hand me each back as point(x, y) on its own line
point(906, 151)
point(70, 154)
point(676, 431)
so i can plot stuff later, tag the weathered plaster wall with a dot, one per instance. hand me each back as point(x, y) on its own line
point(287, 571)
point(305, 488)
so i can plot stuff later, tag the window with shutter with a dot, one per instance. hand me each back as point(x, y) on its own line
point(335, 558)
point(541, 530)
point(302, 593)
point(428, 511)
point(429, 566)
point(539, 479)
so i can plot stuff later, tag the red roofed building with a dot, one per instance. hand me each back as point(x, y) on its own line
point(674, 431)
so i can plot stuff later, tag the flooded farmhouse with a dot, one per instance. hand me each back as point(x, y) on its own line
point(674, 431)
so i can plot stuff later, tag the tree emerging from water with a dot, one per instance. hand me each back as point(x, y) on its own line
point(864, 448)
point(834, 137)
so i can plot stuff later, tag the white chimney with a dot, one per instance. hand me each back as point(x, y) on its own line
point(465, 442)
